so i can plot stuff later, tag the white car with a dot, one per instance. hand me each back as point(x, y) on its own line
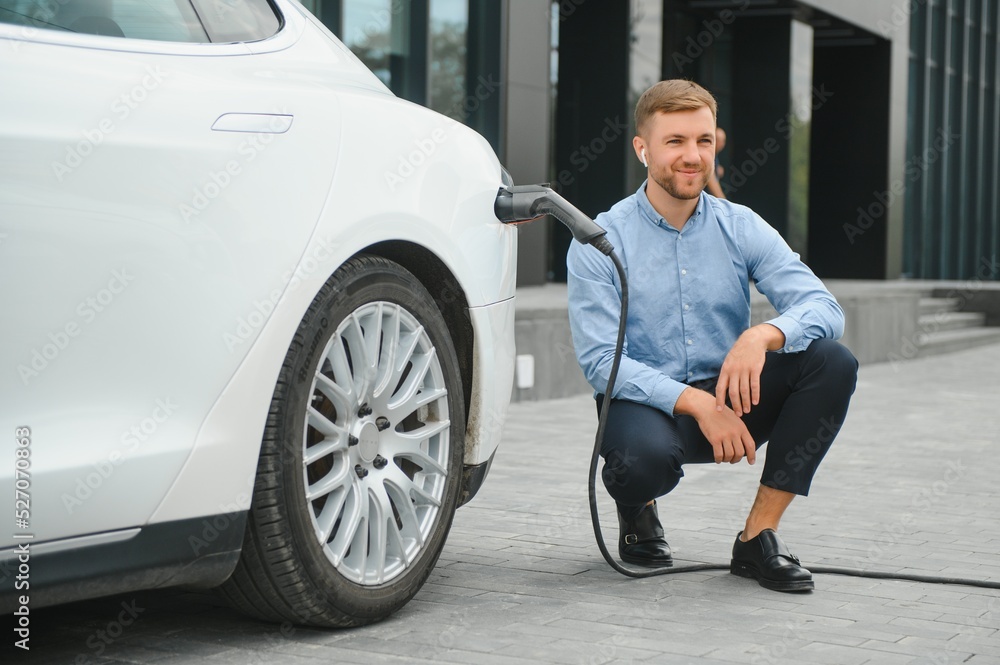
point(257, 312)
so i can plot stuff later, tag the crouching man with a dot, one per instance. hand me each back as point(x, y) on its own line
point(697, 384)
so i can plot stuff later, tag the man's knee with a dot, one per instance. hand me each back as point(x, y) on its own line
point(838, 363)
point(643, 472)
point(619, 468)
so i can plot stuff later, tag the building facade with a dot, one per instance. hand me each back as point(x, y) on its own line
point(865, 131)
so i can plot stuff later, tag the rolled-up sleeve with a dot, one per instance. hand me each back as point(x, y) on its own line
point(594, 310)
point(807, 310)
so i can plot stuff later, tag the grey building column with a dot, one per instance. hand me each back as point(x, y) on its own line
point(526, 121)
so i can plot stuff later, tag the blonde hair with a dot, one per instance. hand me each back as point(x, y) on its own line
point(669, 96)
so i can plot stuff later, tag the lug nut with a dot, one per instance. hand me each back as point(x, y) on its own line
point(382, 423)
point(352, 440)
point(360, 470)
point(379, 462)
point(364, 410)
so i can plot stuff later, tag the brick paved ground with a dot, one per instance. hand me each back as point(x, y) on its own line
point(909, 486)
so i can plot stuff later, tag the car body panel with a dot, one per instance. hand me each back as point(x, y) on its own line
point(159, 269)
point(482, 256)
point(124, 288)
point(493, 378)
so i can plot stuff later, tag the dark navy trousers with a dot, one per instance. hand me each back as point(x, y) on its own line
point(803, 402)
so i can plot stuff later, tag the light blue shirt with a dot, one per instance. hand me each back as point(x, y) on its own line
point(689, 296)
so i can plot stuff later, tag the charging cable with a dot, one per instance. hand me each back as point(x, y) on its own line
point(516, 204)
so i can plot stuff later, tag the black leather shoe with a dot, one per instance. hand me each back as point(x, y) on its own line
point(640, 540)
point(767, 560)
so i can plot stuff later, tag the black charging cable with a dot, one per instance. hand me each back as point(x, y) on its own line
point(517, 204)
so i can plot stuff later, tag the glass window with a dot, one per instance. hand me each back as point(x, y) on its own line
point(645, 69)
point(390, 37)
point(366, 31)
point(236, 20)
point(196, 21)
point(800, 85)
point(449, 24)
point(442, 54)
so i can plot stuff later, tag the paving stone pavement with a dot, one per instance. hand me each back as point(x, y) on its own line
point(910, 486)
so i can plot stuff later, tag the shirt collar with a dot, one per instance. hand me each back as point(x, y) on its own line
point(649, 212)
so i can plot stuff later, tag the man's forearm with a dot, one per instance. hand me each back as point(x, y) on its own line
point(694, 402)
point(772, 336)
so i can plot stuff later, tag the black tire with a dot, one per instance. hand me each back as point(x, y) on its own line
point(286, 573)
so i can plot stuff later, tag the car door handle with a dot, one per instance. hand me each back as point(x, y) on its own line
point(255, 123)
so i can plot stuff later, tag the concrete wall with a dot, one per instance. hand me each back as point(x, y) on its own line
point(544, 333)
point(879, 322)
point(880, 326)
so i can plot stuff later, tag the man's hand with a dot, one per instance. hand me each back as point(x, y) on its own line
point(730, 439)
point(739, 377)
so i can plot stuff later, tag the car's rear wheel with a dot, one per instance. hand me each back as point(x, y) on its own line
point(360, 466)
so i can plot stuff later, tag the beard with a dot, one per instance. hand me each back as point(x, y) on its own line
point(672, 185)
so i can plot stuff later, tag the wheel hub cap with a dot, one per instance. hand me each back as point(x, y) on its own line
point(368, 446)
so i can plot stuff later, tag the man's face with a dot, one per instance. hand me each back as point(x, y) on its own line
point(681, 151)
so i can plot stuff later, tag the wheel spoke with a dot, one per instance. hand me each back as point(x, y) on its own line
point(379, 516)
point(322, 424)
point(406, 348)
point(408, 516)
point(399, 410)
point(424, 461)
point(349, 527)
point(322, 449)
point(337, 477)
point(361, 360)
point(387, 359)
point(414, 380)
point(411, 490)
point(425, 432)
point(395, 540)
point(357, 558)
point(425, 397)
point(350, 334)
point(326, 427)
point(331, 511)
point(409, 445)
point(373, 340)
point(341, 390)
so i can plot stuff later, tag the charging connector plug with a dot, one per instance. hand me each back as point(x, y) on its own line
point(516, 204)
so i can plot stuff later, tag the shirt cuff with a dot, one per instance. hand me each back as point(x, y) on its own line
point(665, 394)
point(793, 334)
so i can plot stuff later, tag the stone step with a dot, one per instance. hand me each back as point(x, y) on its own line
point(951, 321)
point(935, 305)
point(946, 341)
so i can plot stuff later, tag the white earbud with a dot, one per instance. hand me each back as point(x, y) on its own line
point(644, 158)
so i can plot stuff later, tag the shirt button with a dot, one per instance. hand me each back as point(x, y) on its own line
point(690, 342)
point(684, 272)
point(690, 374)
point(687, 307)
